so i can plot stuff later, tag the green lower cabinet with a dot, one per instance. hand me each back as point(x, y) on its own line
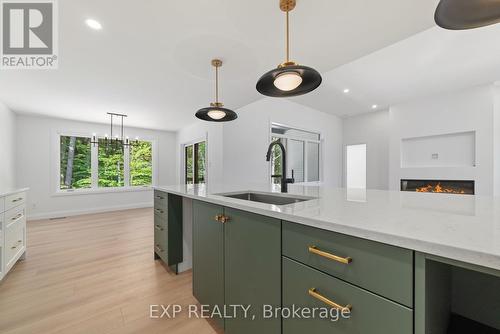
point(252, 270)
point(208, 256)
point(370, 314)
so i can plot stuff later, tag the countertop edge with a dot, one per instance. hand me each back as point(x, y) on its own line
point(13, 191)
point(453, 253)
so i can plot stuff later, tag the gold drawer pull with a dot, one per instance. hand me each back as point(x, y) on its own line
point(17, 200)
point(160, 211)
point(221, 219)
point(314, 293)
point(315, 250)
point(160, 197)
point(13, 247)
point(158, 227)
point(158, 249)
point(17, 217)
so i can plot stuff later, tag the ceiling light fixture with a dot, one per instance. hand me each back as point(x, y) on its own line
point(116, 141)
point(374, 106)
point(467, 14)
point(93, 24)
point(289, 79)
point(216, 112)
point(346, 90)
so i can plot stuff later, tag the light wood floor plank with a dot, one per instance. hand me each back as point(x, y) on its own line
point(94, 274)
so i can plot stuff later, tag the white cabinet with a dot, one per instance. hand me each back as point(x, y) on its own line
point(12, 229)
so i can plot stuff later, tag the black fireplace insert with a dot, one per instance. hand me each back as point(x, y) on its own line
point(460, 187)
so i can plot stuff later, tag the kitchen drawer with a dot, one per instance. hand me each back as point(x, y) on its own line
point(14, 242)
point(370, 313)
point(160, 223)
point(379, 268)
point(161, 200)
point(161, 245)
point(14, 215)
point(161, 212)
point(14, 200)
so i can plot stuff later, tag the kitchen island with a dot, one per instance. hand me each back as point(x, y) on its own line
point(378, 254)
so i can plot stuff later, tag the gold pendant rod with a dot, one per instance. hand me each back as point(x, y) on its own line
point(287, 37)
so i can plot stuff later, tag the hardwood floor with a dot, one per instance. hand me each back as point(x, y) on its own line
point(94, 274)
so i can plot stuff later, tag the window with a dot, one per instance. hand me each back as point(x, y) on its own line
point(303, 154)
point(111, 165)
point(85, 166)
point(195, 163)
point(141, 164)
point(75, 167)
point(356, 166)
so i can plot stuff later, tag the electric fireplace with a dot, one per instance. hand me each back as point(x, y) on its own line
point(459, 187)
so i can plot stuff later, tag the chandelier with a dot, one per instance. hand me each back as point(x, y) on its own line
point(117, 140)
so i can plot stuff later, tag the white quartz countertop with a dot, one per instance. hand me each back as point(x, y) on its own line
point(7, 192)
point(459, 227)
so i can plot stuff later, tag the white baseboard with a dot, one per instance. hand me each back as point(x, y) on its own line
point(69, 213)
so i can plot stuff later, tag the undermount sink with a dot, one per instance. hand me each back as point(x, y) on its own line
point(268, 198)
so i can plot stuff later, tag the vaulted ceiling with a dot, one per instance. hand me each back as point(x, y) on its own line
point(152, 58)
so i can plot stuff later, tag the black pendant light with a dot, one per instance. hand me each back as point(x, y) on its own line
point(216, 112)
point(467, 14)
point(289, 79)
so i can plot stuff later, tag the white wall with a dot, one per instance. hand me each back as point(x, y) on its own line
point(496, 141)
point(469, 110)
point(476, 109)
point(7, 145)
point(36, 167)
point(246, 139)
point(371, 129)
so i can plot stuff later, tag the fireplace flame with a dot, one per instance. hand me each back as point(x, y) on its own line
point(439, 189)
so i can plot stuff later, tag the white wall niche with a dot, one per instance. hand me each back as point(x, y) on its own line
point(444, 150)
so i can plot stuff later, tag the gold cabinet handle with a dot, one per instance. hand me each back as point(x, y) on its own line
point(13, 247)
point(221, 218)
point(314, 293)
point(20, 241)
point(315, 250)
point(17, 200)
point(17, 217)
point(158, 210)
point(160, 197)
point(158, 227)
point(158, 249)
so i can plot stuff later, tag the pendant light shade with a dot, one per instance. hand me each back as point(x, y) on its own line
point(467, 14)
point(289, 79)
point(216, 112)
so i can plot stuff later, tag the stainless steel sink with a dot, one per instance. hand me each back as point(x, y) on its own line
point(268, 198)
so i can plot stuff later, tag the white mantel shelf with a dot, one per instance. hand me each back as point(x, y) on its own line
point(459, 227)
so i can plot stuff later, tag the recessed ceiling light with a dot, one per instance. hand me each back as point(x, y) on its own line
point(93, 24)
point(374, 106)
point(347, 90)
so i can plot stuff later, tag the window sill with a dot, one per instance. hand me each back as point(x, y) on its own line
point(100, 191)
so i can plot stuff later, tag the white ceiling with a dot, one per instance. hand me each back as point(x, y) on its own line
point(431, 62)
point(152, 58)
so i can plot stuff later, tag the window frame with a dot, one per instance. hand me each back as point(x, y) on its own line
point(306, 153)
point(95, 189)
point(183, 158)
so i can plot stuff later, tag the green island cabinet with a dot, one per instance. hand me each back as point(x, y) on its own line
point(237, 261)
point(241, 258)
point(168, 229)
